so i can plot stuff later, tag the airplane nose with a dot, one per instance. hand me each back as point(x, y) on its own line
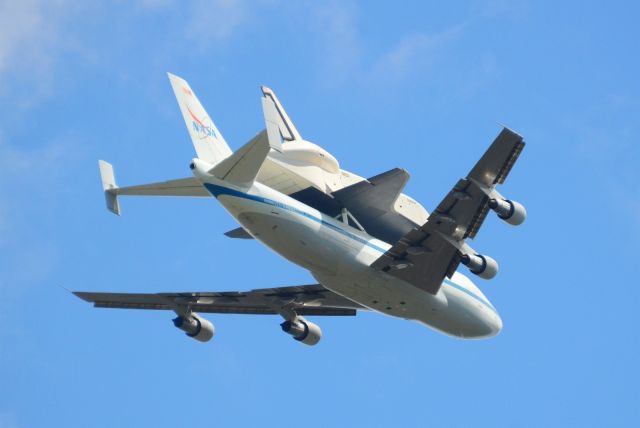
point(495, 324)
point(483, 326)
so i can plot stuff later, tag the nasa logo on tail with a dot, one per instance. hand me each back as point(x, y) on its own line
point(200, 127)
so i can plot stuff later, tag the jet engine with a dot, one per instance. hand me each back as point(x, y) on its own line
point(510, 211)
point(303, 331)
point(195, 327)
point(483, 266)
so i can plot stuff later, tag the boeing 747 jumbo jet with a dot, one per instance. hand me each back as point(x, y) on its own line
point(369, 246)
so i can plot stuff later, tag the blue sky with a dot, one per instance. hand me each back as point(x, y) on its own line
point(422, 85)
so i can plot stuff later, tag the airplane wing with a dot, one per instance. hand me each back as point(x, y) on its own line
point(426, 255)
point(304, 299)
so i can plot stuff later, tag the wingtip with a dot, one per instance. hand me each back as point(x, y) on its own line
point(510, 129)
point(265, 89)
point(66, 289)
point(82, 295)
point(78, 294)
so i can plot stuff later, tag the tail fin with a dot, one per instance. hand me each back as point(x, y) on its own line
point(288, 130)
point(209, 144)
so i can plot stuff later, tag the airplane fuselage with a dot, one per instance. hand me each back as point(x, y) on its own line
point(339, 257)
point(369, 245)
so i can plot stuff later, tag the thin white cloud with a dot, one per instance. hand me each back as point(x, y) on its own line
point(7, 421)
point(512, 9)
point(46, 159)
point(28, 257)
point(29, 30)
point(340, 51)
point(414, 52)
point(16, 167)
point(31, 40)
point(155, 5)
point(211, 23)
point(605, 142)
point(342, 54)
point(20, 26)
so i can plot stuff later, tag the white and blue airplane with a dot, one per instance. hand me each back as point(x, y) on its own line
point(369, 246)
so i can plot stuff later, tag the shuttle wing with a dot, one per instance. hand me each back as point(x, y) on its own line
point(371, 203)
point(426, 255)
point(304, 299)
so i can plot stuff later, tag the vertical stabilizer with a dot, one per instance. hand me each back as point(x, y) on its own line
point(209, 144)
point(272, 123)
point(287, 128)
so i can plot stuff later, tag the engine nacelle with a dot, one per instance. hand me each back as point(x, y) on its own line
point(483, 266)
point(303, 331)
point(195, 327)
point(510, 211)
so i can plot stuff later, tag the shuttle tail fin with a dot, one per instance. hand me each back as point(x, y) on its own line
point(287, 129)
point(242, 167)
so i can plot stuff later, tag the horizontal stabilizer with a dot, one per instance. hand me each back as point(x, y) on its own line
point(180, 187)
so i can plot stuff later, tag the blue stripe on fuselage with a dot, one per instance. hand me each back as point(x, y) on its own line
point(216, 191)
point(220, 190)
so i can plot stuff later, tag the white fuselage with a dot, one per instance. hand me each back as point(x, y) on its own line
point(339, 257)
